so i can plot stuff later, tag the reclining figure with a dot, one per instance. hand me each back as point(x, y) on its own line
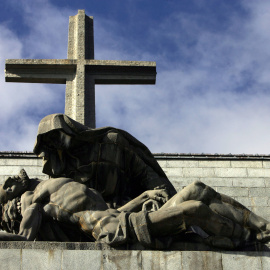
point(225, 222)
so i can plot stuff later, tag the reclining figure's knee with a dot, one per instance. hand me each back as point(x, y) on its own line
point(201, 192)
point(198, 184)
point(196, 189)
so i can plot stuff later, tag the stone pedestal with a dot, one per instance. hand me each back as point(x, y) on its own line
point(44, 255)
point(245, 178)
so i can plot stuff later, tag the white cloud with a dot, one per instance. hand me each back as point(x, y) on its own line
point(218, 104)
point(212, 86)
point(23, 105)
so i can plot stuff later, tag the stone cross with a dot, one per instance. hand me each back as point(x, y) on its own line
point(80, 72)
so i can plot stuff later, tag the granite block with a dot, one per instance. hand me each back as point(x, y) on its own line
point(241, 261)
point(257, 192)
point(82, 259)
point(246, 164)
point(266, 163)
point(161, 260)
point(10, 259)
point(248, 182)
point(201, 260)
point(121, 259)
point(230, 172)
point(198, 172)
point(41, 259)
point(182, 163)
point(253, 172)
point(215, 163)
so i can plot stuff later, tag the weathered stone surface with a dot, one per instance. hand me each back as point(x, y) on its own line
point(81, 259)
point(161, 260)
point(248, 182)
point(198, 172)
point(201, 260)
point(266, 164)
point(41, 259)
point(121, 260)
point(241, 261)
point(10, 259)
point(259, 191)
point(258, 172)
point(267, 182)
point(182, 163)
point(246, 164)
point(265, 260)
point(259, 201)
point(131, 260)
point(230, 172)
point(215, 164)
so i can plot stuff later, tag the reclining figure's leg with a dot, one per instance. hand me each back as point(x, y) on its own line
point(223, 205)
point(177, 218)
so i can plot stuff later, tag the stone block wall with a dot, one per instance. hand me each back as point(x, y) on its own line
point(245, 178)
point(12, 162)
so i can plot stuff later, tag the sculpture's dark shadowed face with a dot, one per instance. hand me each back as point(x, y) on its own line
point(51, 150)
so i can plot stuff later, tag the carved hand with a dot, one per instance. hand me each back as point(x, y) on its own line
point(160, 195)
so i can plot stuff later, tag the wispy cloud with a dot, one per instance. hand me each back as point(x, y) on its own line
point(212, 85)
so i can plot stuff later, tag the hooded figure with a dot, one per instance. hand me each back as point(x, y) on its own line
point(107, 159)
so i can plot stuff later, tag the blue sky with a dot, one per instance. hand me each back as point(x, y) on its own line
point(213, 71)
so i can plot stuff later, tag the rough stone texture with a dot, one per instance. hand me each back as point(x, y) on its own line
point(242, 261)
point(59, 256)
point(41, 259)
point(251, 191)
point(10, 259)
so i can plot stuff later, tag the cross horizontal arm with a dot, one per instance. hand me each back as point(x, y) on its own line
point(61, 70)
point(40, 70)
point(121, 72)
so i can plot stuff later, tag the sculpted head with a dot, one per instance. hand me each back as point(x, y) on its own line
point(57, 135)
point(13, 187)
point(51, 148)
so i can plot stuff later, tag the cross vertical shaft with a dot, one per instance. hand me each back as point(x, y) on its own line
point(80, 92)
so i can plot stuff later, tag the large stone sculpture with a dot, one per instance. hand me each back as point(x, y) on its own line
point(106, 186)
point(107, 159)
point(223, 221)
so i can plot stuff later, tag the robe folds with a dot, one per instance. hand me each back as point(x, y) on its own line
point(107, 159)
